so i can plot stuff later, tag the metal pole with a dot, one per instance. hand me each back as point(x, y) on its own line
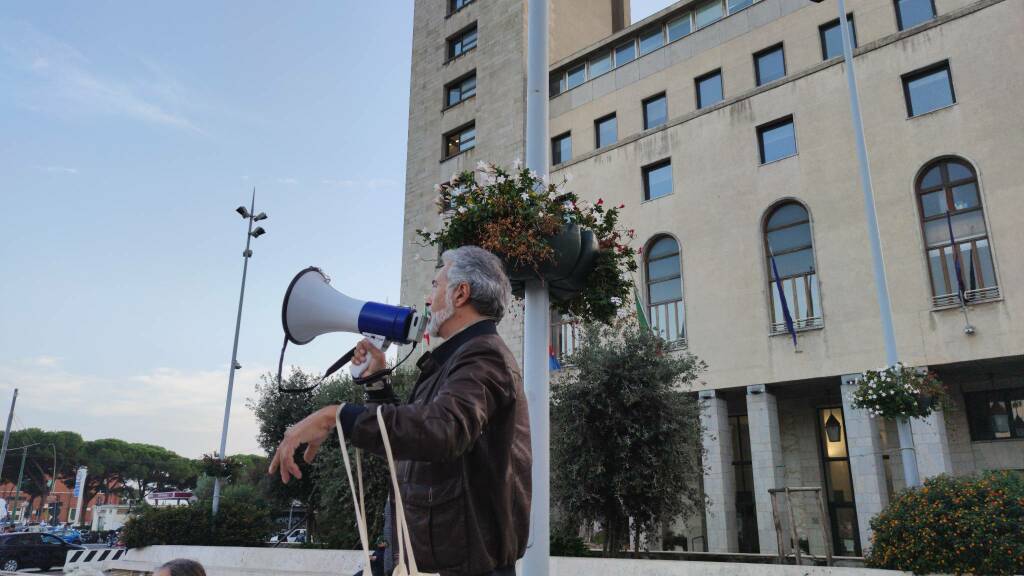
point(537, 321)
point(907, 451)
point(53, 478)
point(7, 431)
point(234, 353)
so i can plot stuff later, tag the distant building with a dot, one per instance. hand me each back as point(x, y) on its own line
point(59, 505)
point(724, 127)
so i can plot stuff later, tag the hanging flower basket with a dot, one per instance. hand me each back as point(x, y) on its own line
point(900, 391)
point(540, 232)
point(215, 467)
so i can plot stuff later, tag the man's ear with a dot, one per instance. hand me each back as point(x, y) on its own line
point(461, 296)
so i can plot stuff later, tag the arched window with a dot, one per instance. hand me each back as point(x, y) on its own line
point(787, 239)
point(665, 289)
point(954, 233)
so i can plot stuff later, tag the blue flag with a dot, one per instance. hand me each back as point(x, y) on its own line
point(960, 290)
point(782, 298)
point(553, 363)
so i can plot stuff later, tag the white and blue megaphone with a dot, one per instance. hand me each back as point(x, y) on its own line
point(313, 307)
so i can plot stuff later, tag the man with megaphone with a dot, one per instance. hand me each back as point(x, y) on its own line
point(462, 440)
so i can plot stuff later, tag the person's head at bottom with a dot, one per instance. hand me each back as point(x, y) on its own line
point(181, 567)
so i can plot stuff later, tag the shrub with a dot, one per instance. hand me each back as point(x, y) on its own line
point(967, 525)
point(566, 542)
point(239, 522)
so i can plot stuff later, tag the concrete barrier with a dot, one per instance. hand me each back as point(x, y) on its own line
point(224, 561)
point(79, 561)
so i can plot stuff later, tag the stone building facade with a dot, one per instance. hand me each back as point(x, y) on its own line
point(724, 127)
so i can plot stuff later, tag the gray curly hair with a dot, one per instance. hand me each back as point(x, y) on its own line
point(489, 288)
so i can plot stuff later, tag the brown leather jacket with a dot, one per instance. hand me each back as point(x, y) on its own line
point(463, 448)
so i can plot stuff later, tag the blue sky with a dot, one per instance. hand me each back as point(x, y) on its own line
point(129, 132)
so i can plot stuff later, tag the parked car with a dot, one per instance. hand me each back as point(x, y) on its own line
point(296, 535)
point(33, 550)
point(69, 535)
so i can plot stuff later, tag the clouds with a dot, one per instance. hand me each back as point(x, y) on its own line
point(57, 78)
point(180, 410)
point(57, 169)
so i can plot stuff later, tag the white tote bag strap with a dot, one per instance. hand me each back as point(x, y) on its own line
point(357, 501)
point(402, 527)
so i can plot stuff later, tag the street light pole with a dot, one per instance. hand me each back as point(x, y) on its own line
point(906, 437)
point(251, 216)
point(537, 311)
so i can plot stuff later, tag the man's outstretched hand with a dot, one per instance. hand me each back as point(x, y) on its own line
point(312, 431)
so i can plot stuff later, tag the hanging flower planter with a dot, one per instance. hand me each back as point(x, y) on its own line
point(900, 391)
point(215, 467)
point(540, 232)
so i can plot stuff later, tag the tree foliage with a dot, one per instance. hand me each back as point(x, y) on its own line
point(323, 488)
point(625, 433)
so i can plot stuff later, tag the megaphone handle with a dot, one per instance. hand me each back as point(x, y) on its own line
point(356, 370)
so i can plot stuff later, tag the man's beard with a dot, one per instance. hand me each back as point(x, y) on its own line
point(439, 317)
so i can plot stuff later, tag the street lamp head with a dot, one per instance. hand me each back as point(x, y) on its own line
point(260, 216)
point(238, 366)
point(259, 231)
point(242, 211)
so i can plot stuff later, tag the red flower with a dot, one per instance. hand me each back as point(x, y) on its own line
point(640, 250)
point(621, 206)
point(599, 202)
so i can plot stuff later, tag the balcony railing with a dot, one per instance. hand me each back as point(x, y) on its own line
point(970, 296)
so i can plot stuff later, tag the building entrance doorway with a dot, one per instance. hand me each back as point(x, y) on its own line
point(835, 457)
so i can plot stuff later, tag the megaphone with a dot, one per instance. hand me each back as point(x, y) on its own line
point(313, 307)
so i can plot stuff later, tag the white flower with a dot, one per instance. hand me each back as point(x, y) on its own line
point(616, 300)
point(517, 164)
point(463, 209)
point(534, 175)
point(457, 191)
point(482, 166)
point(525, 197)
point(567, 205)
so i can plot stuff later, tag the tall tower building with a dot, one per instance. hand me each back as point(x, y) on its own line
point(467, 103)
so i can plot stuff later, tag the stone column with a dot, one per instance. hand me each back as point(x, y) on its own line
point(719, 477)
point(863, 444)
point(766, 458)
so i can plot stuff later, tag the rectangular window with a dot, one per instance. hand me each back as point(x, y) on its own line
point(651, 40)
point(556, 84)
point(777, 140)
point(456, 5)
point(460, 140)
point(655, 111)
point(769, 64)
point(709, 13)
point(737, 5)
point(462, 42)
point(657, 180)
point(928, 89)
point(910, 13)
point(576, 76)
point(606, 130)
point(625, 53)
point(996, 414)
point(460, 90)
point(679, 27)
point(709, 89)
point(600, 64)
point(832, 38)
point(561, 149)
